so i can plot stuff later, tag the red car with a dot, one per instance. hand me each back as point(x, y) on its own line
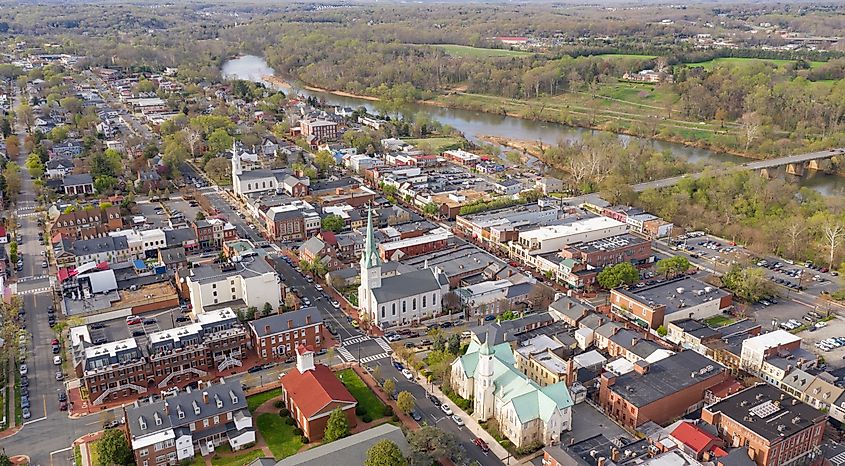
point(55, 341)
point(133, 320)
point(481, 444)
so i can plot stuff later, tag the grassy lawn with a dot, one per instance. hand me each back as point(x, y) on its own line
point(236, 460)
point(92, 453)
point(366, 398)
point(254, 401)
point(709, 64)
point(278, 435)
point(476, 52)
point(719, 320)
point(435, 145)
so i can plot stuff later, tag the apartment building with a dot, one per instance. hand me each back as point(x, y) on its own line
point(553, 238)
point(545, 360)
point(173, 430)
point(323, 130)
point(124, 369)
point(777, 429)
point(247, 283)
point(276, 337)
point(496, 228)
point(660, 391)
point(212, 233)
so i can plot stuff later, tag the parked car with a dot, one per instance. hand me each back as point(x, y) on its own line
point(23, 369)
point(59, 376)
point(480, 443)
point(57, 360)
point(415, 415)
point(446, 409)
point(458, 420)
point(408, 374)
point(25, 413)
point(434, 400)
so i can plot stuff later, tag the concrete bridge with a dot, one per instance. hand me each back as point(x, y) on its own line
point(794, 165)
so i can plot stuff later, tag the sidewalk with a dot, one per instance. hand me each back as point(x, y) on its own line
point(472, 426)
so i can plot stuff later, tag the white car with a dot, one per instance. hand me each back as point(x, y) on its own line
point(335, 304)
point(408, 374)
point(57, 360)
point(24, 369)
point(458, 420)
point(446, 409)
point(318, 287)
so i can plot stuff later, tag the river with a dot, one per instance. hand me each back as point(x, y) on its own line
point(476, 124)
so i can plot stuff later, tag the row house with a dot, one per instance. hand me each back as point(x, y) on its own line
point(122, 370)
point(174, 430)
point(212, 233)
point(85, 224)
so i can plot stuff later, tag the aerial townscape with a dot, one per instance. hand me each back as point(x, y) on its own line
point(342, 233)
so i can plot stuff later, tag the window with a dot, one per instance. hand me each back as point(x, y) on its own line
point(205, 422)
point(382, 312)
point(145, 452)
point(414, 304)
point(216, 420)
point(434, 299)
point(403, 307)
point(393, 309)
point(424, 304)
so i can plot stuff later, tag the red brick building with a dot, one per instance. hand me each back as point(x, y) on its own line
point(311, 392)
point(86, 224)
point(413, 246)
point(610, 251)
point(776, 428)
point(661, 391)
point(276, 337)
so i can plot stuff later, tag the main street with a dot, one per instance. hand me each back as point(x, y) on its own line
point(46, 436)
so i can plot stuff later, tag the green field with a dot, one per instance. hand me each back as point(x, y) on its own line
point(709, 64)
point(465, 51)
point(435, 145)
point(236, 460)
point(278, 435)
point(367, 400)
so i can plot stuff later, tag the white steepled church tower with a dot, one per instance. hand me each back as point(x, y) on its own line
point(370, 272)
point(236, 161)
point(483, 389)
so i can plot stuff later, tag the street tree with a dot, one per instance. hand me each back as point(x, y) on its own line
point(673, 266)
point(324, 160)
point(219, 169)
point(750, 284)
point(336, 427)
point(219, 141)
point(405, 402)
point(385, 453)
point(429, 443)
point(389, 386)
point(832, 232)
point(12, 146)
point(617, 275)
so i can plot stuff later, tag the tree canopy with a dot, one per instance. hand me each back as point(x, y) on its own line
point(336, 427)
point(385, 453)
point(617, 275)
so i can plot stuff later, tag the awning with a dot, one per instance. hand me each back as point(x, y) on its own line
point(139, 264)
point(65, 273)
point(103, 266)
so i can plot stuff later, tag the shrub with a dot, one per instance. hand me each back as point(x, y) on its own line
point(289, 421)
point(395, 418)
point(297, 431)
point(366, 418)
point(279, 404)
point(304, 439)
point(529, 448)
point(360, 411)
point(284, 412)
point(388, 410)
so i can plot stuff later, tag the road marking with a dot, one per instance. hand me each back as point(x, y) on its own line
point(34, 420)
point(374, 357)
point(345, 354)
point(355, 340)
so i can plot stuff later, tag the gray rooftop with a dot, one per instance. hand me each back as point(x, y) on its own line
point(406, 284)
point(500, 332)
point(571, 308)
point(665, 377)
point(289, 320)
point(75, 180)
point(768, 412)
point(86, 247)
point(667, 294)
point(231, 396)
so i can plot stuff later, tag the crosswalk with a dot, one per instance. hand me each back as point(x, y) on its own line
point(45, 289)
point(345, 354)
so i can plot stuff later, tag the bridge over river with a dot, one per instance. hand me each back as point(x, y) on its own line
point(795, 165)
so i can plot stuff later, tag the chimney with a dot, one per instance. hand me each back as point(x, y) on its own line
point(308, 319)
point(267, 329)
point(641, 367)
point(634, 341)
point(601, 461)
point(290, 323)
point(205, 397)
point(614, 454)
point(570, 305)
point(570, 372)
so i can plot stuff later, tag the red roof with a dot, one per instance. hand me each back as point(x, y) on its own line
point(726, 388)
point(302, 349)
point(312, 391)
point(329, 237)
point(692, 436)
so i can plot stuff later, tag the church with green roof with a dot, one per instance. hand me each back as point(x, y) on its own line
point(525, 411)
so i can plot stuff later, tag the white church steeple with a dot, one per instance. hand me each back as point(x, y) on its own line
point(236, 161)
point(370, 271)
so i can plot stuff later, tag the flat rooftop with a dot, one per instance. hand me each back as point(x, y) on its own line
point(768, 412)
point(572, 226)
point(676, 295)
point(665, 377)
point(609, 244)
point(248, 268)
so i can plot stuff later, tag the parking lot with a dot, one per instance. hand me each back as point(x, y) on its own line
point(138, 326)
point(832, 351)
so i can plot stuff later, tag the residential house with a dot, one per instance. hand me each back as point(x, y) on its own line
point(276, 337)
point(75, 185)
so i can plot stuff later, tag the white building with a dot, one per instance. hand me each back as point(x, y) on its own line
point(756, 350)
point(525, 411)
point(553, 238)
point(243, 284)
point(399, 300)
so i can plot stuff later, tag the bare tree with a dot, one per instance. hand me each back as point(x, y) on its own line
point(751, 124)
point(832, 231)
point(795, 233)
point(194, 140)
